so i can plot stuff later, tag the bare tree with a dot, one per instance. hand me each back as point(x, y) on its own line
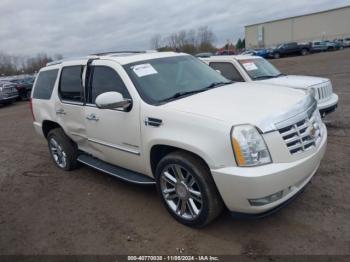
point(188, 41)
point(15, 65)
point(156, 41)
point(206, 39)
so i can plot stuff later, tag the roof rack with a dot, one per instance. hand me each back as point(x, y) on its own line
point(71, 59)
point(95, 56)
point(119, 52)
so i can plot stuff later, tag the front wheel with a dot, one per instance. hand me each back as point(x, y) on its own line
point(276, 55)
point(187, 189)
point(304, 52)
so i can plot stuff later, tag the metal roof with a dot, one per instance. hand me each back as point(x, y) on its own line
point(291, 17)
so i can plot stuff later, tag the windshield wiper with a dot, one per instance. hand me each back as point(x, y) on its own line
point(267, 76)
point(217, 84)
point(181, 94)
point(186, 93)
point(280, 75)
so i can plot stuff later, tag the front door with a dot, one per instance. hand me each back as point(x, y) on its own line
point(113, 135)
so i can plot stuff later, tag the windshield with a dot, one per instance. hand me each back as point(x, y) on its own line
point(160, 80)
point(259, 68)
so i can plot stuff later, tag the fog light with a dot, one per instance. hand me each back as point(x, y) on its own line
point(266, 200)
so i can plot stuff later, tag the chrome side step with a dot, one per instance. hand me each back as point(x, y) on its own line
point(119, 172)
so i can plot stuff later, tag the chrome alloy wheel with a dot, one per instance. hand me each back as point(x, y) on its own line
point(181, 192)
point(58, 154)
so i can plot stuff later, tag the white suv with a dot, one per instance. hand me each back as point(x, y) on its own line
point(168, 119)
point(245, 68)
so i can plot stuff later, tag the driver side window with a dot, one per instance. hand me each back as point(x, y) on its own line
point(105, 79)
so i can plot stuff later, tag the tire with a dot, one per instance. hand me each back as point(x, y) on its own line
point(63, 150)
point(276, 55)
point(28, 93)
point(304, 52)
point(196, 208)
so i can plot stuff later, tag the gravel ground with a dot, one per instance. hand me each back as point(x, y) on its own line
point(44, 210)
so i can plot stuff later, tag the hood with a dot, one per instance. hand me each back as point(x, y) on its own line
point(240, 103)
point(302, 82)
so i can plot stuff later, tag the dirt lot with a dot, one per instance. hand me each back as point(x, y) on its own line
point(46, 211)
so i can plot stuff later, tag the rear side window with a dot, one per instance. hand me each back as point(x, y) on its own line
point(45, 84)
point(227, 70)
point(71, 88)
point(105, 79)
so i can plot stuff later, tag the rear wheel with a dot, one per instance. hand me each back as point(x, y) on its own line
point(63, 150)
point(187, 189)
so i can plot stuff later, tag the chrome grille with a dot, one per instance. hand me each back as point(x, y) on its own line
point(323, 90)
point(303, 134)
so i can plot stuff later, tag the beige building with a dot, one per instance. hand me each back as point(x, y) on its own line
point(324, 25)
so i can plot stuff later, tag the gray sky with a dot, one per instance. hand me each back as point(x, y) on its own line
point(87, 26)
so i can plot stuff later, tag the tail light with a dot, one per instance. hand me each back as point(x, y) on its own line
point(31, 107)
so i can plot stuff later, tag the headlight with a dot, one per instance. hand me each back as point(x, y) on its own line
point(249, 146)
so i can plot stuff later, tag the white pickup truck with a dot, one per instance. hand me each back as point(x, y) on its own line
point(245, 68)
point(169, 119)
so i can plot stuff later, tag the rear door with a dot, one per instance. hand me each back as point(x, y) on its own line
point(69, 108)
point(113, 135)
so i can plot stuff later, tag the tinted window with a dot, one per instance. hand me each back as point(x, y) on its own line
point(159, 80)
point(227, 70)
point(105, 79)
point(70, 86)
point(45, 84)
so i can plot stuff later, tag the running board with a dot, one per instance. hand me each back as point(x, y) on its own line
point(119, 172)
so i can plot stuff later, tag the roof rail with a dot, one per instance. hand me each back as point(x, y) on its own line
point(118, 52)
point(71, 59)
point(94, 56)
point(125, 52)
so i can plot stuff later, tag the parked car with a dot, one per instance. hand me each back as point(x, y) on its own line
point(333, 45)
point(207, 54)
point(8, 92)
point(24, 87)
point(169, 119)
point(265, 53)
point(257, 69)
point(318, 46)
point(346, 42)
point(292, 48)
point(339, 43)
point(225, 52)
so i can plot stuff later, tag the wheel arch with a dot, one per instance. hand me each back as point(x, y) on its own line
point(48, 125)
point(158, 151)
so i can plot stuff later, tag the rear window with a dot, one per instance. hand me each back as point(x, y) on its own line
point(45, 84)
point(71, 88)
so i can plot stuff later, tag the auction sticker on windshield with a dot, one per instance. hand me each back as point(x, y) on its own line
point(250, 66)
point(144, 70)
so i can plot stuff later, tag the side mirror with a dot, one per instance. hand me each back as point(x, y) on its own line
point(112, 100)
point(218, 71)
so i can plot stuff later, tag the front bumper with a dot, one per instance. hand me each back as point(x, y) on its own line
point(328, 106)
point(8, 98)
point(238, 185)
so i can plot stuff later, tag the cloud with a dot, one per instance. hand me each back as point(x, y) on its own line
point(88, 26)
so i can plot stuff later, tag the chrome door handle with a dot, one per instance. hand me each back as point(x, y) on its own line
point(92, 117)
point(60, 111)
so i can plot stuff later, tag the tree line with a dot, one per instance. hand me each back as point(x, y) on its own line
point(190, 41)
point(17, 65)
